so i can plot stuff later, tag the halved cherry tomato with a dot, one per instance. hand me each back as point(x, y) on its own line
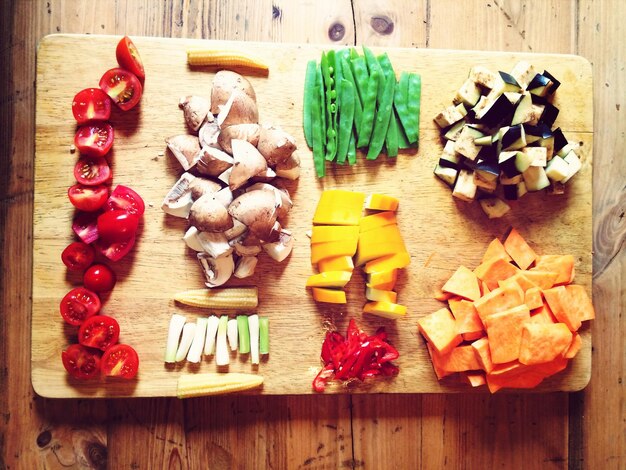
point(91, 104)
point(85, 225)
point(94, 139)
point(120, 360)
point(128, 57)
point(99, 278)
point(88, 198)
point(78, 305)
point(115, 251)
point(117, 225)
point(78, 256)
point(123, 87)
point(99, 332)
point(81, 362)
point(92, 171)
point(127, 200)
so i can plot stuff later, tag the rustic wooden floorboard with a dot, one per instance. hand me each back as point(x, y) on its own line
point(583, 430)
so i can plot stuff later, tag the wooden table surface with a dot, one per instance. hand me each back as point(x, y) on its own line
point(579, 430)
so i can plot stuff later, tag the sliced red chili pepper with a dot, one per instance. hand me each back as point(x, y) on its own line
point(319, 383)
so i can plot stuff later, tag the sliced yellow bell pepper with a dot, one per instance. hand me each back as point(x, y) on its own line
point(385, 309)
point(385, 280)
point(336, 263)
point(336, 279)
point(339, 207)
point(387, 234)
point(381, 202)
point(320, 251)
point(331, 296)
point(386, 263)
point(334, 233)
point(380, 295)
point(380, 219)
point(370, 251)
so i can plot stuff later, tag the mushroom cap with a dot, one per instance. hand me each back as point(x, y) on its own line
point(186, 149)
point(275, 145)
point(200, 186)
point(224, 83)
point(207, 214)
point(247, 131)
point(248, 162)
point(213, 161)
point(257, 210)
point(239, 109)
point(196, 110)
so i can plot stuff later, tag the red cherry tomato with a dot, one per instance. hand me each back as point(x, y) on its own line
point(91, 104)
point(100, 332)
point(117, 225)
point(127, 200)
point(94, 139)
point(128, 57)
point(115, 251)
point(85, 225)
point(99, 278)
point(123, 87)
point(120, 360)
point(78, 256)
point(88, 198)
point(81, 362)
point(78, 305)
point(92, 171)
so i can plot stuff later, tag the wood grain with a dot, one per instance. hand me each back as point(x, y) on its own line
point(591, 28)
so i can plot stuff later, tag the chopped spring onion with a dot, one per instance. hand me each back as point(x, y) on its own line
point(244, 334)
point(222, 357)
point(232, 334)
point(173, 337)
point(189, 331)
point(264, 335)
point(211, 331)
point(253, 323)
point(195, 351)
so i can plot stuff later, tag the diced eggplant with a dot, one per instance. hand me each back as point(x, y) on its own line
point(574, 164)
point(488, 155)
point(483, 76)
point(510, 83)
point(523, 72)
point(538, 155)
point(468, 94)
point(478, 108)
point(549, 114)
point(485, 140)
point(500, 110)
point(450, 115)
point(555, 82)
point(513, 192)
point(539, 85)
point(523, 110)
point(494, 207)
point(465, 188)
point(522, 161)
point(455, 131)
point(465, 143)
point(535, 178)
point(536, 110)
point(548, 143)
point(560, 143)
point(510, 180)
point(446, 174)
point(513, 138)
point(536, 132)
point(557, 169)
point(449, 158)
point(506, 161)
point(513, 97)
point(488, 186)
point(488, 171)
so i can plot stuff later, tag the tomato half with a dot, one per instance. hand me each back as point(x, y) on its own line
point(126, 199)
point(94, 139)
point(115, 251)
point(91, 104)
point(100, 332)
point(120, 360)
point(78, 305)
point(78, 256)
point(117, 225)
point(128, 57)
point(80, 362)
point(123, 87)
point(92, 171)
point(99, 278)
point(85, 225)
point(88, 198)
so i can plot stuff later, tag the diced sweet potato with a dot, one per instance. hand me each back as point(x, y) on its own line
point(459, 359)
point(439, 328)
point(467, 320)
point(481, 348)
point(519, 250)
point(499, 300)
point(542, 279)
point(484, 288)
point(574, 346)
point(504, 330)
point(494, 270)
point(580, 301)
point(553, 367)
point(495, 249)
point(543, 315)
point(563, 265)
point(463, 283)
point(439, 372)
point(543, 342)
point(561, 306)
point(473, 336)
point(443, 296)
point(474, 378)
point(533, 299)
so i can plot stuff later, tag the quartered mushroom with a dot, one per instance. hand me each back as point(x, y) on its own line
point(186, 149)
point(213, 161)
point(216, 270)
point(275, 145)
point(214, 244)
point(207, 214)
point(257, 210)
point(224, 83)
point(248, 163)
point(239, 109)
point(289, 168)
point(178, 200)
point(191, 238)
point(196, 110)
point(280, 249)
point(285, 201)
point(209, 134)
point(248, 132)
point(200, 186)
point(245, 266)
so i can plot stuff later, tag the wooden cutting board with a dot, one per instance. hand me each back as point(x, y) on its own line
point(440, 232)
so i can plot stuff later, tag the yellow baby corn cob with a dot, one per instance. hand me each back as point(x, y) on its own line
point(197, 385)
point(226, 59)
point(228, 297)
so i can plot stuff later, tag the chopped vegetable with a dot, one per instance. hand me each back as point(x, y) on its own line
point(253, 325)
point(226, 59)
point(244, 334)
point(189, 331)
point(211, 334)
point(232, 334)
point(197, 385)
point(222, 357)
point(228, 298)
point(197, 345)
point(264, 335)
point(332, 296)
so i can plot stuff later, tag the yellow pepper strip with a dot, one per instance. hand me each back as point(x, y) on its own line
point(336, 279)
point(381, 202)
point(385, 280)
point(385, 234)
point(380, 295)
point(226, 59)
point(386, 263)
point(334, 233)
point(385, 309)
point(336, 263)
point(331, 296)
point(197, 385)
point(339, 207)
point(320, 251)
point(380, 219)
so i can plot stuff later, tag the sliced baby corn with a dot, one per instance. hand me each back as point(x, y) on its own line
point(226, 59)
point(198, 385)
point(227, 298)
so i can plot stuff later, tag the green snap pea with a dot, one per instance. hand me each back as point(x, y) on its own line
point(328, 72)
point(385, 65)
point(317, 133)
point(403, 141)
point(358, 107)
point(381, 124)
point(413, 103)
point(352, 149)
point(309, 89)
point(369, 110)
point(391, 139)
point(321, 98)
point(400, 101)
point(361, 76)
point(346, 118)
point(373, 65)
